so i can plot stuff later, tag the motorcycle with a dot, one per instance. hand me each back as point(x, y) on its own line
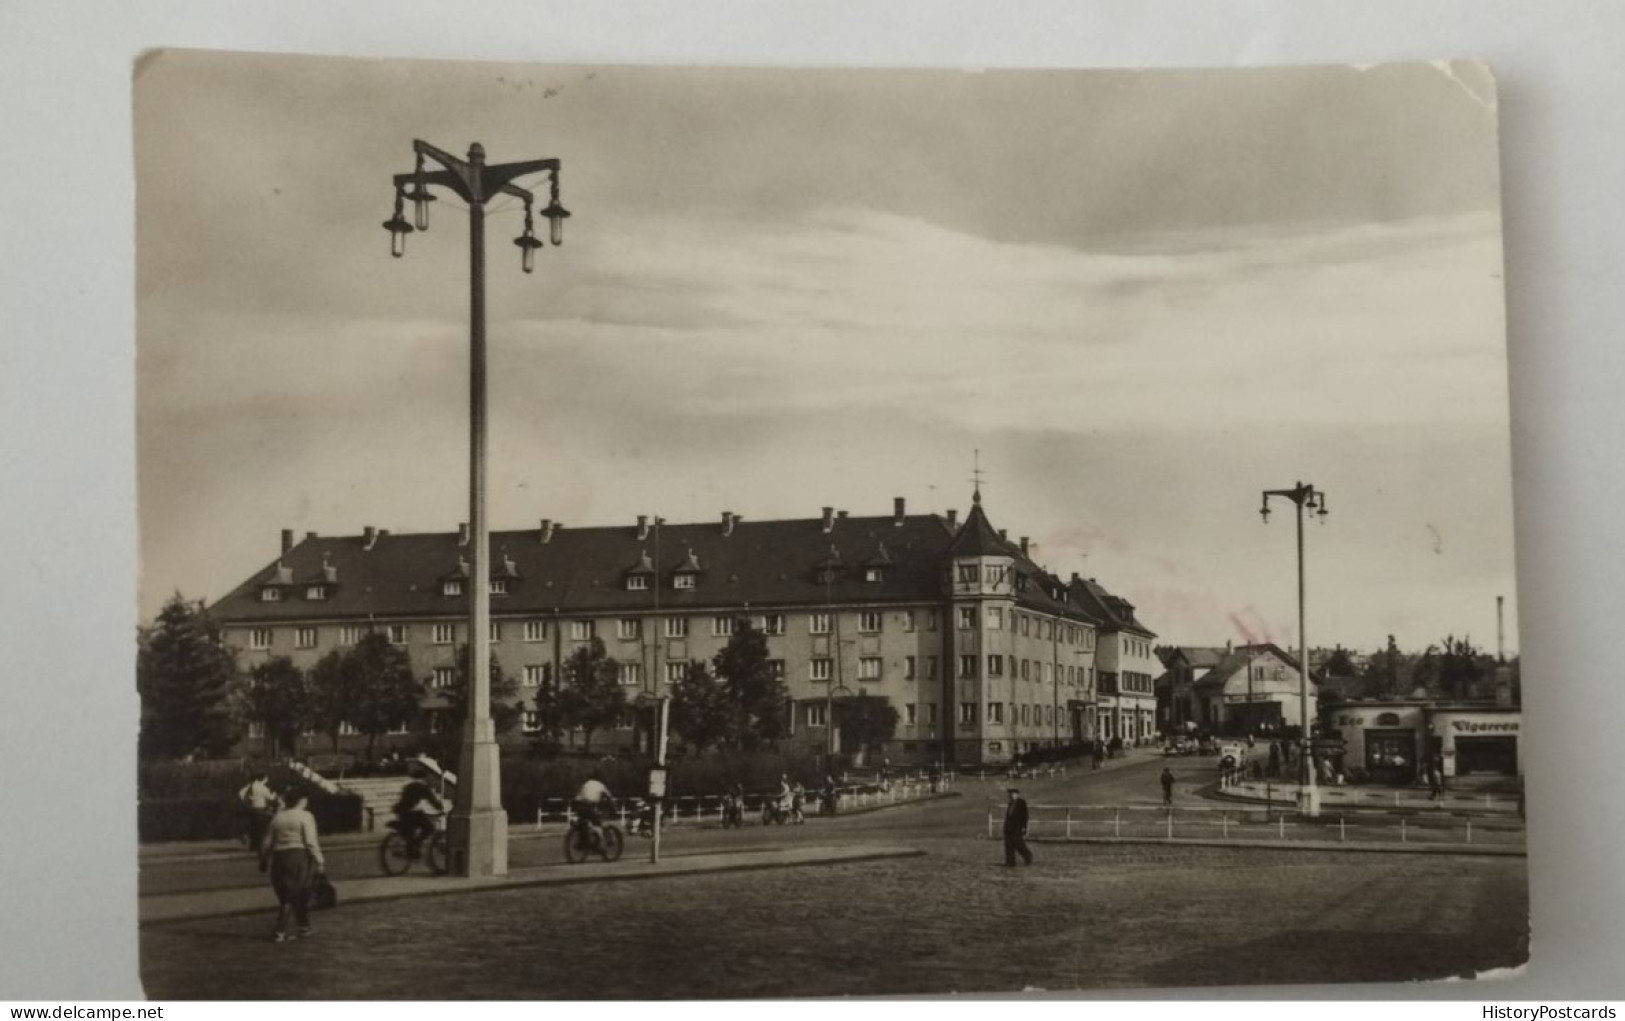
point(774, 813)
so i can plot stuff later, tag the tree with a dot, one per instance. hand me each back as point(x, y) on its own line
point(382, 691)
point(187, 678)
point(506, 708)
point(330, 696)
point(279, 699)
point(549, 716)
point(757, 701)
point(592, 698)
point(1338, 664)
point(866, 721)
point(700, 711)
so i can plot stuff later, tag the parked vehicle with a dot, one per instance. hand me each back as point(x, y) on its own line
point(1232, 754)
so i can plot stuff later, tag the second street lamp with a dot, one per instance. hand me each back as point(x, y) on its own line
point(1305, 497)
point(479, 826)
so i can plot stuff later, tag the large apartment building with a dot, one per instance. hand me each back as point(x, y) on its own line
point(983, 653)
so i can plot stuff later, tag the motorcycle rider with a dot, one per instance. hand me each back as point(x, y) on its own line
point(589, 800)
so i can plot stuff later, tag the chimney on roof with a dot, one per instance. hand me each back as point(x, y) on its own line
point(829, 520)
point(549, 526)
point(643, 527)
point(310, 535)
point(369, 537)
point(841, 515)
point(953, 518)
point(727, 523)
point(1024, 545)
point(462, 533)
point(287, 539)
point(1004, 533)
point(383, 533)
point(897, 511)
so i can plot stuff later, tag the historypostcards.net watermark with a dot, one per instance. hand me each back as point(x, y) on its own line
point(1542, 1013)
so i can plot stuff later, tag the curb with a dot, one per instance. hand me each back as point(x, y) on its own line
point(1484, 850)
point(404, 887)
point(1212, 792)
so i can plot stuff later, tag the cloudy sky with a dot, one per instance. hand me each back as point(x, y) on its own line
point(1144, 297)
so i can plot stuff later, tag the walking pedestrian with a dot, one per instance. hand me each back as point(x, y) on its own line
point(1015, 829)
point(259, 804)
point(1098, 754)
point(1167, 786)
point(292, 855)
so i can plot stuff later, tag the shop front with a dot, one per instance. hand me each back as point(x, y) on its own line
point(1396, 742)
point(1479, 742)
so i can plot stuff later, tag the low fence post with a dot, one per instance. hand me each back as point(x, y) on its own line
point(1402, 830)
point(1342, 831)
point(538, 816)
point(1069, 822)
point(1469, 830)
point(1281, 819)
point(1117, 822)
point(990, 824)
point(1226, 824)
point(1170, 824)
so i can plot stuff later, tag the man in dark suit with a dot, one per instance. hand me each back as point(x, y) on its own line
point(1015, 829)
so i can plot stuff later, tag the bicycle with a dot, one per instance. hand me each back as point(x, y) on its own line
point(581, 842)
point(396, 854)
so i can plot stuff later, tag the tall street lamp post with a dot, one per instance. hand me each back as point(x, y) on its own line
point(1304, 497)
point(478, 825)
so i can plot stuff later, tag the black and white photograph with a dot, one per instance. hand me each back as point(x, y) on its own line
point(713, 533)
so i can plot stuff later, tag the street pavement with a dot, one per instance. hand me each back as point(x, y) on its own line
point(954, 919)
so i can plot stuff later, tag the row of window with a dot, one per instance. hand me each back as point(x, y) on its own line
point(1136, 647)
point(1138, 682)
point(1027, 624)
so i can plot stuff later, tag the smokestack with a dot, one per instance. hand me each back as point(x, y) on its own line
point(829, 520)
point(727, 523)
point(549, 526)
point(462, 533)
point(643, 527)
point(953, 518)
point(1500, 630)
point(369, 537)
point(287, 539)
point(897, 511)
point(1024, 545)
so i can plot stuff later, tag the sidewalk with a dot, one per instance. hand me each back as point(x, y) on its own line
point(1385, 847)
point(258, 899)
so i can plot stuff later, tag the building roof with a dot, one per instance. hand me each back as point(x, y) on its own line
point(977, 537)
point(1238, 658)
point(1110, 613)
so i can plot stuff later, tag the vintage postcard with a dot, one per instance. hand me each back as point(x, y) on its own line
point(941, 531)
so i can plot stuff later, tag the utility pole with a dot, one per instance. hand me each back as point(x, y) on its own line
point(1302, 496)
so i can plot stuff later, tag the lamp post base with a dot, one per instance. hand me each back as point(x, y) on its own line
point(479, 844)
point(1309, 800)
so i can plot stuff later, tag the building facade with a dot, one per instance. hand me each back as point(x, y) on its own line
point(982, 652)
point(1125, 662)
point(1392, 741)
point(1252, 689)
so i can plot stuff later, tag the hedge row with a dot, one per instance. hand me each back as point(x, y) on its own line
point(198, 800)
point(528, 782)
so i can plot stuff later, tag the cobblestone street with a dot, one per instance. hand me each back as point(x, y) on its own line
point(955, 920)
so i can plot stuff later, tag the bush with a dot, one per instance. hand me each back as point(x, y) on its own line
point(198, 800)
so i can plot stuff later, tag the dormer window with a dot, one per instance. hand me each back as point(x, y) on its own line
point(316, 592)
point(682, 581)
point(829, 575)
point(270, 595)
point(874, 574)
point(637, 583)
point(451, 588)
point(970, 574)
point(499, 586)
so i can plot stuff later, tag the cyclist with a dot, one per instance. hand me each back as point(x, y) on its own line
point(415, 811)
point(590, 799)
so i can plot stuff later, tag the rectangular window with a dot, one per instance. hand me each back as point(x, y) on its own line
point(869, 668)
point(930, 620)
point(349, 635)
point(532, 721)
point(1025, 675)
point(967, 666)
point(347, 729)
point(908, 621)
point(445, 634)
point(773, 624)
point(397, 634)
point(305, 638)
point(722, 627)
point(931, 713)
point(676, 627)
point(869, 621)
point(316, 592)
point(1023, 714)
point(815, 714)
point(995, 666)
point(270, 595)
point(256, 730)
point(537, 674)
point(535, 630)
point(637, 583)
point(818, 624)
point(675, 672)
point(967, 617)
point(775, 669)
point(969, 574)
point(259, 638)
point(443, 677)
point(629, 628)
point(499, 586)
point(1026, 625)
point(909, 715)
point(581, 631)
point(967, 712)
point(873, 574)
point(682, 581)
point(451, 588)
point(496, 632)
point(930, 668)
point(629, 673)
point(909, 671)
point(995, 712)
point(995, 618)
point(821, 669)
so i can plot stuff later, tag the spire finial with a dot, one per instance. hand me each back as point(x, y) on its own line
point(976, 477)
